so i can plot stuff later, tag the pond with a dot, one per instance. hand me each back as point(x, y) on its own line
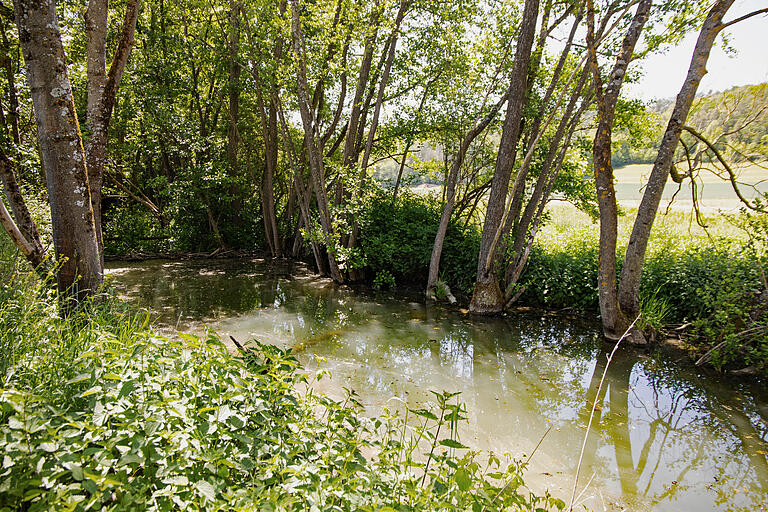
point(665, 436)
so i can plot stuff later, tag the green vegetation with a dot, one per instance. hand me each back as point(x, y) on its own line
point(713, 280)
point(98, 412)
point(397, 237)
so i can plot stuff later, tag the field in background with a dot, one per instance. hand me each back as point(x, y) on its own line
point(713, 192)
point(716, 199)
point(566, 222)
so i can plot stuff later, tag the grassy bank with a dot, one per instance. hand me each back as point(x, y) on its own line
point(711, 281)
point(98, 412)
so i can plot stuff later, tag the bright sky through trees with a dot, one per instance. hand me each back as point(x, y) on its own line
point(664, 73)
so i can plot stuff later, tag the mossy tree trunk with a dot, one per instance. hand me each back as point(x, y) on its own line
point(74, 233)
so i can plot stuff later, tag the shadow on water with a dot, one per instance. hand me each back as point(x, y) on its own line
point(664, 436)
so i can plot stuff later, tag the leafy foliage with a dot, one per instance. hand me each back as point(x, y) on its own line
point(716, 284)
point(398, 237)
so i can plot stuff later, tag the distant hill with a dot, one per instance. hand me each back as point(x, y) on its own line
point(736, 120)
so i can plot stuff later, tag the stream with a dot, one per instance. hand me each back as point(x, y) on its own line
point(665, 435)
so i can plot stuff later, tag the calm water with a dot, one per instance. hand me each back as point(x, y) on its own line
point(665, 437)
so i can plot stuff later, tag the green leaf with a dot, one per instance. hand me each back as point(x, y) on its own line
point(126, 389)
point(463, 479)
point(77, 472)
point(451, 443)
point(424, 413)
point(206, 489)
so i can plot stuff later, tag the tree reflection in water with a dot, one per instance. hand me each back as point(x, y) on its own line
point(660, 427)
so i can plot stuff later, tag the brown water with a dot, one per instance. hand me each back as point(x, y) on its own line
point(664, 436)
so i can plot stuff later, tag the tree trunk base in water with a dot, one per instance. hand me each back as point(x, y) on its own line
point(487, 298)
point(635, 337)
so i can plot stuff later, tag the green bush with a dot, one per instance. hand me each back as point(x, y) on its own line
point(562, 276)
point(384, 281)
point(398, 237)
point(715, 284)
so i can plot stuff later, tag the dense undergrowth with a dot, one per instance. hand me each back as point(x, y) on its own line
point(712, 285)
point(397, 238)
point(98, 412)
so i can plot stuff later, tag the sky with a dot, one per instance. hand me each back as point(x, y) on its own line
point(664, 73)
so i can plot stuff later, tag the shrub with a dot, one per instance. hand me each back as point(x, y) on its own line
point(398, 237)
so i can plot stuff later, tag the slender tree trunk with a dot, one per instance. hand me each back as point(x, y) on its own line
point(102, 90)
point(234, 84)
point(613, 319)
point(530, 221)
point(16, 236)
point(302, 193)
point(629, 286)
point(453, 176)
point(487, 297)
point(403, 9)
point(349, 156)
point(23, 219)
point(74, 233)
point(268, 182)
point(13, 101)
point(313, 151)
point(514, 269)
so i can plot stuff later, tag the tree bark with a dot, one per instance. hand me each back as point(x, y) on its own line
point(613, 320)
point(487, 297)
point(629, 286)
point(77, 250)
point(102, 90)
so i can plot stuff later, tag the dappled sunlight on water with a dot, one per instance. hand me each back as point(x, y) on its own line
point(663, 436)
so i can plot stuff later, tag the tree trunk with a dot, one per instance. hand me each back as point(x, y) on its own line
point(74, 233)
point(629, 286)
point(23, 219)
point(539, 194)
point(234, 84)
point(453, 176)
point(613, 319)
point(401, 12)
point(313, 151)
point(533, 220)
point(102, 90)
point(13, 101)
point(349, 156)
point(487, 297)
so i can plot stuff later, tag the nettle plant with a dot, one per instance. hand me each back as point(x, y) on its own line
point(167, 424)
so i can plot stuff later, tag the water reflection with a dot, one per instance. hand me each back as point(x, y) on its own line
point(664, 437)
